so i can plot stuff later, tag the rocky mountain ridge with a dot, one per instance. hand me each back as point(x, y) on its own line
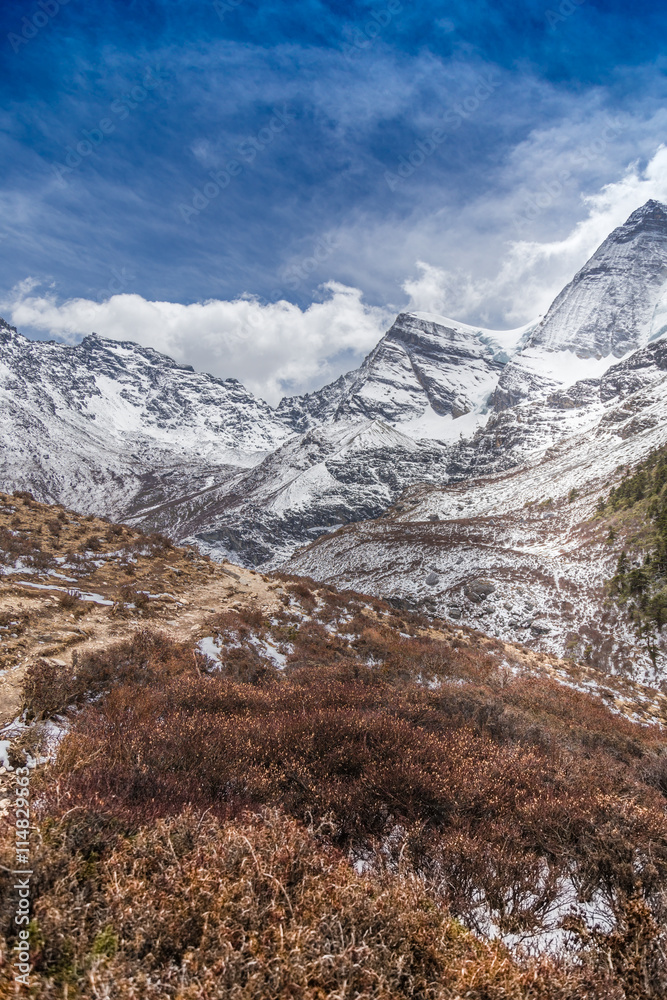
point(614, 305)
point(609, 307)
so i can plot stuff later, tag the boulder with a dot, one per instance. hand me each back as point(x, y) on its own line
point(540, 628)
point(478, 590)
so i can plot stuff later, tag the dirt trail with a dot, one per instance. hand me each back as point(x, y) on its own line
point(54, 633)
point(73, 582)
point(77, 583)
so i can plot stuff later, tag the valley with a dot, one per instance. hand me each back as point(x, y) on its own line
point(452, 455)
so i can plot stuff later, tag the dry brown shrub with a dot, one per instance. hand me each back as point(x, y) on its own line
point(69, 599)
point(47, 688)
point(130, 595)
point(193, 910)
point(93, 543)
point(496, 792)
point(314, 644)
point(158, 543)
point(147, 657)
point(494, 823)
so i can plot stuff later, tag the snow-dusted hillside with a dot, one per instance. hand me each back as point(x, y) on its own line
point(132, 434)
point(331, 475)
point(518, 553)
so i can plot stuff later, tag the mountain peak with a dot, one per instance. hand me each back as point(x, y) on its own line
point(650, 217)
point(651, 208)
point(6, 329)
point(607, 308)
point(90, 340)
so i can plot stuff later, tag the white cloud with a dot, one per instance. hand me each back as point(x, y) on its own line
point(274, 349)
point(278, 349)
point(532, 272)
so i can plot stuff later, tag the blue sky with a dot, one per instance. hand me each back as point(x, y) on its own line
point(180, 152)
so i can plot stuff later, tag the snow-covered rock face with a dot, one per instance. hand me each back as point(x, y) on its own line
point(526, 535)
point(425, 373)
point(614, 305)
point(608, 307)
point(332, 475)
point(91, 425)
point(130, 390)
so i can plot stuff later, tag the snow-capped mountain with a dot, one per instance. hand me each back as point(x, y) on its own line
point(139, 437)
point(125, 431)
point(614, 305)
point(424, 369)
point(609, 307)
point(91, 425)
point(517, 553)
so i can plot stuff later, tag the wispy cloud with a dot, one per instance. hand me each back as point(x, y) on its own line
point(494, 211)
point(532, 272)
point(278, 348)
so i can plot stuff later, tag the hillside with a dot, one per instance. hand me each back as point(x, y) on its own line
point(527, 535)
point(421, 751)
point(637, 511)
point(251, 785)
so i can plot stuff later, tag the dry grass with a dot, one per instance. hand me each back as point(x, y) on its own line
point(493, 791)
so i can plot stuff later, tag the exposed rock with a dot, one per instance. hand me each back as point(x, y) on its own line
point(392, 467)
point(478, 590)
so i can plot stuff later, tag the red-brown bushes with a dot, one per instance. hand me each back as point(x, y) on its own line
point(513, 799)
point(191, 910)
point(314, 644)
point(146, 658)
point(24, 546)
point(497, 825)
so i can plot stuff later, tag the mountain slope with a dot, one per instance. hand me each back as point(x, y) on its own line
point(609, 306)
point(519, 553)
point(260, 787)
point(424, 368)
point(329, 476)
point(102, 422)
point(137, 436)
point(613, 306)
